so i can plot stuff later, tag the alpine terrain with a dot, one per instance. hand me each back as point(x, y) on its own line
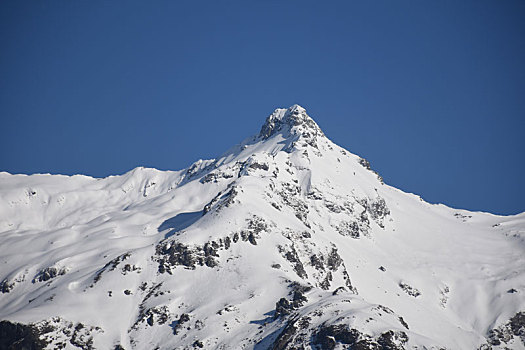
point(287, 241)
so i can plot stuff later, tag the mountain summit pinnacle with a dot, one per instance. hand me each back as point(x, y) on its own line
point(294, 121)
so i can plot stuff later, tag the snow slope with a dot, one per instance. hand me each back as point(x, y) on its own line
point(285, 241)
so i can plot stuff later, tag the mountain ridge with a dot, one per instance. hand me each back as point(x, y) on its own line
point(285, 241)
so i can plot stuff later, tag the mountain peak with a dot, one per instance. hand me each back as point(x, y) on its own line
point(293, 120)
point(288, 241)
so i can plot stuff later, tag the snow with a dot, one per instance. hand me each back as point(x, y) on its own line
point(291, 197)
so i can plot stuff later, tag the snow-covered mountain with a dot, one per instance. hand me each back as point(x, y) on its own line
point(287, 241)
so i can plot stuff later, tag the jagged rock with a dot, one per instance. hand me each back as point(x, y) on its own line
point(222, 200)
point(514, 328)
point(327, 337)
point(334, 260)
point(334, 208)
point(290, 197)
point(378, 210)
point(403, 323)
point(130, 268)
point(6, 286)
point(284, 338)
point(292, 256)
point(155, 315)
point(350, 229)
point(284, 306)
point(283, 121)
point(57, 332)
point(49, 273)
point(393, 340)
point(317, 262)
point(409, 290)
point(184, 318)
point(20, 336)
point(110, 266)
point(176, 254)
point(215, 177)
point(366, 164)
point(261, 166)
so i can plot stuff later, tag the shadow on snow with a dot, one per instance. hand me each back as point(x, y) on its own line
point(179, 222)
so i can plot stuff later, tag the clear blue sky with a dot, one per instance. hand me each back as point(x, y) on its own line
point(431, 92)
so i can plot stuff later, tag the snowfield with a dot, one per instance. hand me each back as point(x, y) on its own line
point(287, 241)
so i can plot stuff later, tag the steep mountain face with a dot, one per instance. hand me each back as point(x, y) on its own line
point(287, 241)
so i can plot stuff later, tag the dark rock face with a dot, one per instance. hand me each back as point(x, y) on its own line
point(409, 290)
point(403, 322)
point(215, 176)
point(350, 229)
point(16, 336)
point(179, 324)
point(290, 196)
point(297, 335)
point(331, 263)
point(79, 339)
point(157, 315)
point(517, 324)
point(261, 166)
point(334, 260)
point(292, 256)
point(178, 254)
point(378, 210)
point(514, 328)
point(375, 208)
point(222, 200)
point(255, 226)
point(366, 164)
point(48, 273)
point(329, 336)
point(110, 266)
point(392, 340)
point(170, 253)
point(284, 306)
point(286, 336)
point(6, 286)
point(53, 333)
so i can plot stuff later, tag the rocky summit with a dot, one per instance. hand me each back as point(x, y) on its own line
point(286, 241)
